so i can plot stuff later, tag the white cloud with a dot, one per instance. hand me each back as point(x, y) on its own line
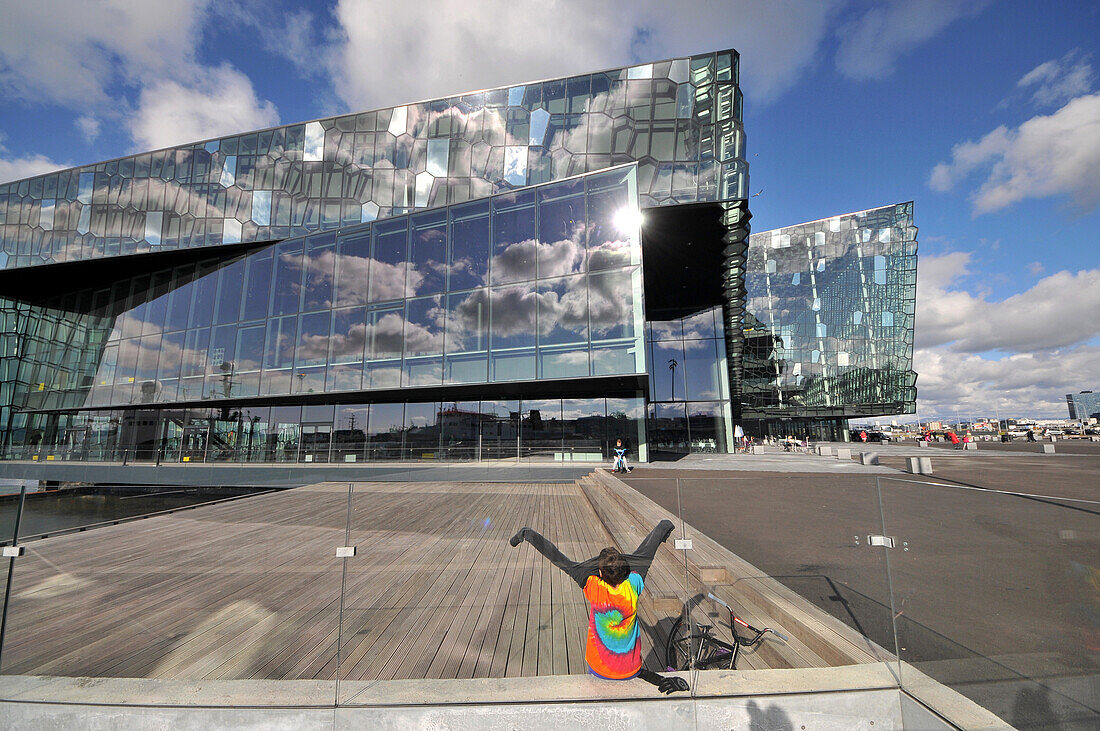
point(1039, 319)
point(1055, 82)
point(393, 52)
point(1046, 348)
point(17, 168)
point(296, 34)
point(93, 57)
point(88, 127)
point(1024, 384)
point(214, 102)
point(870, 44)
point(1048, 155)
point(72, 52)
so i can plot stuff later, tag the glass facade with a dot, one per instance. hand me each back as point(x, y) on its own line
point(679, 119)
point(466, 250)
point(442, 244)
point(689, 393)
point(535, 285)
point(1084, 405)
point(829, 332)
point(558, 430)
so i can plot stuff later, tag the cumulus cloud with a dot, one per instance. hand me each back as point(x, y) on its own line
point(1054, 83)
point(444, 48)
point(70, 52)
point(88, 126)
point(1028, 322)
point(93, 56)
point(1023, 384)
point(870, 44)
point(25, 166)
point(1020, 355)
point(214, 102)
point(1048, 155)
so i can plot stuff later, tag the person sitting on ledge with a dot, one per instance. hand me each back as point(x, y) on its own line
point(612, 583)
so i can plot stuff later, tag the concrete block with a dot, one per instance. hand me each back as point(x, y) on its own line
point(843, 453)
point(919, 465)
point(758, 449)
point(868, 458)
point(921, 443)
point(970, 445)
point(1047, 449)
point(825, 451)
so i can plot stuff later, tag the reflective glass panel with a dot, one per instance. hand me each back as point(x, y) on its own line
point(468, 261)
point(561, 247)
point(427, 252)
point(514, 237)
point(352, 268)
point(390, 261)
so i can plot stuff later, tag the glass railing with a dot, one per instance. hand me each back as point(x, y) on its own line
point(405, 590)
point(997, 595)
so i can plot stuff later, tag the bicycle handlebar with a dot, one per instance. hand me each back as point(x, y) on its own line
point(727, 606)
point(780, 635)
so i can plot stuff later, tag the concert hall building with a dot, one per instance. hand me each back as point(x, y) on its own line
point(526, 272)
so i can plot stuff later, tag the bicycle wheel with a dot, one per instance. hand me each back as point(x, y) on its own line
point(682, 646)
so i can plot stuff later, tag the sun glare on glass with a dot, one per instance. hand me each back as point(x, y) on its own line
point(628, 220)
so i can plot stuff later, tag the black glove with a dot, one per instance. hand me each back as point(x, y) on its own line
point(517, 538)
point(670, 684)
point(667, 684)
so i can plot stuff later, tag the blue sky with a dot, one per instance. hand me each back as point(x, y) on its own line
point(986, 114)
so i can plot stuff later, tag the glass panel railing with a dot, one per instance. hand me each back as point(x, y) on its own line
point(12, 500)
point(783, 547)
point(997, 591)
point(437, 591)
point(180, 583)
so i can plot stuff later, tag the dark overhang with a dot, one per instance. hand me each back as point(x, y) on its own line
point(682, 259)
point(37, 285)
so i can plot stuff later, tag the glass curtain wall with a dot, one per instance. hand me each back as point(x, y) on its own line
point(571, 430)
point(676, 118)
point(689, 391)
point(830, 326)
point(539, 284)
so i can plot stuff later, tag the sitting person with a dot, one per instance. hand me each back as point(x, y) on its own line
point(620, 457)
point(612, 583)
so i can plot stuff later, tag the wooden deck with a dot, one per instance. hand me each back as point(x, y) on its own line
point(252, 588)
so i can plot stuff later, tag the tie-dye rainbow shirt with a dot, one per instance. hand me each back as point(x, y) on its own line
point(613, 650)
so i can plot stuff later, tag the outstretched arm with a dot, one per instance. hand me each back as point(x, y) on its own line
point(578, 572)
point(642, 558)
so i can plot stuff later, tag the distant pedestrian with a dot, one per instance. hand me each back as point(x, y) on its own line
point(954, 439)
point(863, 436)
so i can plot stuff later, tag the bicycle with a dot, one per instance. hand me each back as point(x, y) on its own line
point(707, 651)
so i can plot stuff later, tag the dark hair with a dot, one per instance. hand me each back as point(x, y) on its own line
point(613, 566)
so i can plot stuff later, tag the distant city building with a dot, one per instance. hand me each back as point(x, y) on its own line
point(529, 271)
point(1083, 406)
